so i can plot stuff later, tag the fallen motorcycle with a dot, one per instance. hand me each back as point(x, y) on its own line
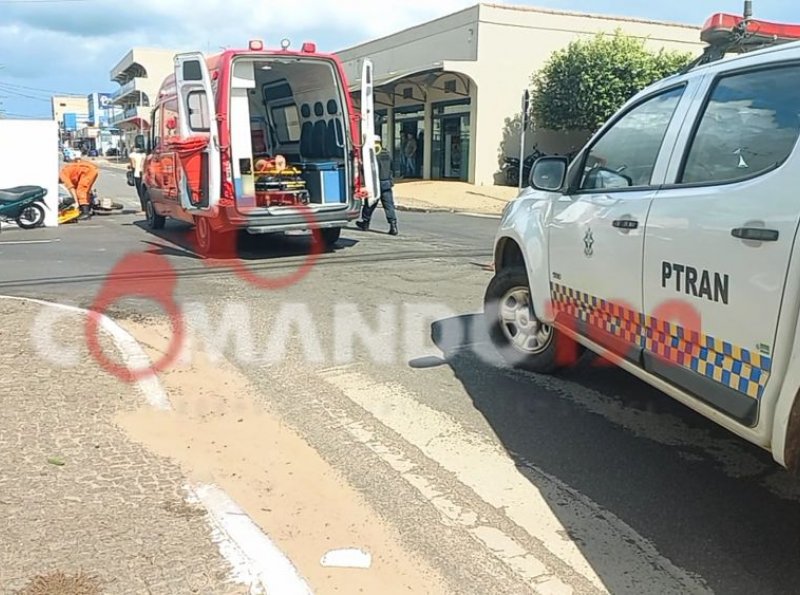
point(24, 205)
point(68, 209)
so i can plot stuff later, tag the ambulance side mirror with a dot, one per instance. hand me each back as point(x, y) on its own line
point(549, 173)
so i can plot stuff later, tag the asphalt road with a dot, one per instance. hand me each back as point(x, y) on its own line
point(589, 480)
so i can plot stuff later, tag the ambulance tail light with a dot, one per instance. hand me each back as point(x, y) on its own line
point(227, 177)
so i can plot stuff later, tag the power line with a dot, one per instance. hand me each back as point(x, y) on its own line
point(18, 94)
point(48, 91)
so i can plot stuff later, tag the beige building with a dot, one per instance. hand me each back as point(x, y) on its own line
point(139, 75)
point(68, 104)
point(454, 85)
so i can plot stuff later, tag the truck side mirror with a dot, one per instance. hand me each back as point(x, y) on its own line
point(549, 173)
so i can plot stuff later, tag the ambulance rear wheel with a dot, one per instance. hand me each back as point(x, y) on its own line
point(330, 236)
point(211, 242)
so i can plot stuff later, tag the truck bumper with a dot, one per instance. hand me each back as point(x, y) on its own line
point(281, 219)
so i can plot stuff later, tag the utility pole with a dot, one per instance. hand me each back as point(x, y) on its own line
point(526, 104)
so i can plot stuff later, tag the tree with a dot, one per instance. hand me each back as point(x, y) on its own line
point(584, 84)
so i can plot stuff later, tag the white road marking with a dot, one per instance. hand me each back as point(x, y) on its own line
point(626, 558)
point(504, 548)
point(256, 561)
point(30, 242)
point(253, 556)
point(132, 353)
point(347, 558)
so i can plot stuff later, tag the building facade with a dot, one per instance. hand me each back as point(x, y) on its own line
point(448, 92)
point(139, 75)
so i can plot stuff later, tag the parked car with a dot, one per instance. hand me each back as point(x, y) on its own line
point(71, 154)
point(670, 246)
point(241, 139)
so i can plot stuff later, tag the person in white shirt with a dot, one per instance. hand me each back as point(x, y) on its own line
point(136, 163)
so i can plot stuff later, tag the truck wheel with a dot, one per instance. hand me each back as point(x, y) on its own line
point(213, 243)
point(522, 340)
point(330, 236)
point(154, 220)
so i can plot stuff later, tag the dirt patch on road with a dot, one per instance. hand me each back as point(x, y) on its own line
point(221, 435)
point(58, 583)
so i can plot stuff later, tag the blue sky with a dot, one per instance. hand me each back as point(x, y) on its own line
point(69, 46)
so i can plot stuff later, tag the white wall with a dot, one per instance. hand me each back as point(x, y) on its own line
point(514, 42)
point(29, 154)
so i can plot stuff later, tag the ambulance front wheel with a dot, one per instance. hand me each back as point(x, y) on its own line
point(154, 220)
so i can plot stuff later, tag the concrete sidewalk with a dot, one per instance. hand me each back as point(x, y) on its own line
point(435, 196)
point(85, 509)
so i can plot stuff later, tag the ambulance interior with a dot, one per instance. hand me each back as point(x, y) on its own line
point(293, 109)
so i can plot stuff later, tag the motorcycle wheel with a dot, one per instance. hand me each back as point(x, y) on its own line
point(31, 216)
point(512, 176)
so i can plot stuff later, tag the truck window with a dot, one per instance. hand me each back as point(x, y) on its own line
point(170, 113)
point(197, 112)
point(748, 127)
point(631, 146)
point(156, 128)
point(287, 123)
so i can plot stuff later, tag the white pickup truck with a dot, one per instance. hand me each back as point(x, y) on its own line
point(670, 246)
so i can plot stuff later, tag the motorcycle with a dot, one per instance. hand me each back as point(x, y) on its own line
point(68, 209)
point(511, 165)
point(24, 205)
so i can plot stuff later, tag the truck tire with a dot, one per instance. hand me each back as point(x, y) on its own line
point(515, 332)
point(330, 236)
point(154, 220)
point(212, 243)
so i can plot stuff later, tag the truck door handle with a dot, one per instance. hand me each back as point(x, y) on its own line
point(755, 234)
point(625, 224)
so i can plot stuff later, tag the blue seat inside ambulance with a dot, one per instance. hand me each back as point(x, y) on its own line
point(321, 145)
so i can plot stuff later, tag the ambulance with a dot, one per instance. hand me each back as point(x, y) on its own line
point(261, 140)
point(669, 245)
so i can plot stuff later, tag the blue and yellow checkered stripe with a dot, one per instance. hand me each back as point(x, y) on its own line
point(730, 365)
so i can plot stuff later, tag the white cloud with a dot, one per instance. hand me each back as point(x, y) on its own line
point(72, 46)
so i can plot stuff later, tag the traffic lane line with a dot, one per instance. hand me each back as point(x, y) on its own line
point(628, 561)
point(251, 553)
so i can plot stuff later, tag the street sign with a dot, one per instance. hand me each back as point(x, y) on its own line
point(526, 109)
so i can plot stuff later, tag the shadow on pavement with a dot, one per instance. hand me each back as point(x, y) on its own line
point(248, 246)
point(712, 504)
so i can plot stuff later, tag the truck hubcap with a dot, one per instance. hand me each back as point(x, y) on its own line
point(520, 325)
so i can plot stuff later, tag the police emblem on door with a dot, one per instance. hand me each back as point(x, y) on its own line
point(588, 243)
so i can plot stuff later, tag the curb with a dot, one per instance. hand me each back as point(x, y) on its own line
point(445, 210)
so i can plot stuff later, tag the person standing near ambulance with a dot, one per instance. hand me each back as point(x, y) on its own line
point(387, 194)
point(136, 163)
point(78, 178)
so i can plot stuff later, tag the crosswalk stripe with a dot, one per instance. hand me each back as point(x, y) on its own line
point(626, 559)
point(505, 548)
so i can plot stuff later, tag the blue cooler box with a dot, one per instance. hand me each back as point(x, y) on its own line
point(325, 182)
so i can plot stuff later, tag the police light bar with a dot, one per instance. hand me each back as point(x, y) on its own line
point(718, 27)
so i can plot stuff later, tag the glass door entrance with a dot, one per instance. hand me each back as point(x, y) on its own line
point(450, 140)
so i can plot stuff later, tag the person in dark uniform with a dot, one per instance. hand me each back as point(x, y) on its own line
point(387, 195)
